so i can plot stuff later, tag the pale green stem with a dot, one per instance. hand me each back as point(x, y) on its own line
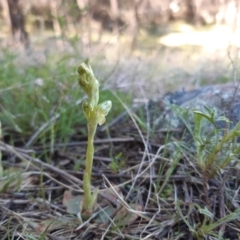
point(88, 170)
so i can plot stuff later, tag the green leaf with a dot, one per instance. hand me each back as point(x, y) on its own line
point(206, 212)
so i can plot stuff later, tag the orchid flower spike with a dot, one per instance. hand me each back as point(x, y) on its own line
point(89, 83)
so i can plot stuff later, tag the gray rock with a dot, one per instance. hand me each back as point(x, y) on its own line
point(159, 117)
point(223, 98)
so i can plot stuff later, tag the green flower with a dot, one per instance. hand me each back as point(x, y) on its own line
point(102, 111)
point(89, 83)
point(87, 109)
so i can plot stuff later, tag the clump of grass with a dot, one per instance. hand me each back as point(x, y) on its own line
point(31, 96)
point(117, 162)
point(215, 147)
point(216, 151)
point(209, 225)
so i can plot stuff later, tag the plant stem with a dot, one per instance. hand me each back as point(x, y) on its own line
point(88, 203)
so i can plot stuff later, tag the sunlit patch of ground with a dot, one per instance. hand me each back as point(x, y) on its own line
point(217, 37)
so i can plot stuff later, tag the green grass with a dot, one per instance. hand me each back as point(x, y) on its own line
point(215, 154)
point(46, 97)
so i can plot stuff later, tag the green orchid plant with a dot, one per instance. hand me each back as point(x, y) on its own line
point(95, 114)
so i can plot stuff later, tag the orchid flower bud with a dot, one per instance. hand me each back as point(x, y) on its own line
point(102, 111)
point(89, 83)
point(87, 109)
